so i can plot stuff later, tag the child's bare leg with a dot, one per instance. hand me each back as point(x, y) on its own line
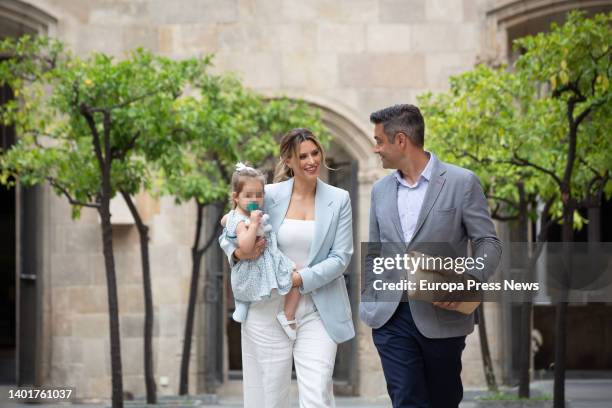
point(292, 299)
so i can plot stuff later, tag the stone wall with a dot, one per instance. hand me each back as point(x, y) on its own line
point(363, 54)
point(76, 298)
point(351, 56)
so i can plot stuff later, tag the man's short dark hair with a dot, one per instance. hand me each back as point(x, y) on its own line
point(401, 118)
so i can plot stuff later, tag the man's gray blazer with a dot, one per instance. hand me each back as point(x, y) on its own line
point(454, 212)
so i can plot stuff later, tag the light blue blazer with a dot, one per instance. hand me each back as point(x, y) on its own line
point(330, 253)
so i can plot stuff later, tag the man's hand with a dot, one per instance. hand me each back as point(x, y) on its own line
point(447, 305)
point(260, 244)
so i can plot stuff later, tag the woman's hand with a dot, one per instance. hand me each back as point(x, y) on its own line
point(296, 279)
point(260, 245)
point(256, 217)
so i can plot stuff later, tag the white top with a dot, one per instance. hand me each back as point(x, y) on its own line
point(295, 238)
point(410, 199)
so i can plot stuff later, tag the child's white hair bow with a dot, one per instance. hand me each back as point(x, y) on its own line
point(240, 166)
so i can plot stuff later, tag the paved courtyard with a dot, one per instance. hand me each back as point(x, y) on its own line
point(595, 393)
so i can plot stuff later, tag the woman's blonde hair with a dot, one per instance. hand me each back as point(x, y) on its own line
point(241, 174)
point(289, 146)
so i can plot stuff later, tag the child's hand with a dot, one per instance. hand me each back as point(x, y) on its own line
point(256, 217)
point(260, 245)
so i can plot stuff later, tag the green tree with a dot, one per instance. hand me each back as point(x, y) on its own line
point(537, 135)
point(479, 124)
point(573, 61)
point(160, 134)
point(79, 122)
point(224, 124)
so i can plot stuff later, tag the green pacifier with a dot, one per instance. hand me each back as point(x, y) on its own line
point(252, 206)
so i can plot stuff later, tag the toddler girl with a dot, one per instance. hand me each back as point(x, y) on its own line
point(254, 280)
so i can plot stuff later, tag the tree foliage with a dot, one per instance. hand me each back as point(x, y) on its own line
point(223, 124)
point(511, 126)
point(64, 101)
point(88, 126)
point(538, 133)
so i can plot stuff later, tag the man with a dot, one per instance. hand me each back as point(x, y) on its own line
point(424, 201)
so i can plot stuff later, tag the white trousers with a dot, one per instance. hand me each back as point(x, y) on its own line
point(267, 355)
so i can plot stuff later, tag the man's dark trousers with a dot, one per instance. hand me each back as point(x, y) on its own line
point(420, 372)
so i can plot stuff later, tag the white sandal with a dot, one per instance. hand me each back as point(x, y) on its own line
point(286, 325)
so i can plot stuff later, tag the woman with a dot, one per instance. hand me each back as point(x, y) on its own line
point(313, 224)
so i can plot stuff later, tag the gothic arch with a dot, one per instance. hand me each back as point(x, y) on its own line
point(519, 11)
point(518, 18)
point(351, 132)
point(18, 18)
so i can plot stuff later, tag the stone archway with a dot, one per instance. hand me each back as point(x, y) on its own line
point(352, 134)
point(18, 18)
point(25, 362)
point(350, 131)
point(519, 18)
point(347, 155)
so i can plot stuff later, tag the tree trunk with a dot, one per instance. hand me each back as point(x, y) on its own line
point(561, 310)
point(143, 233)
point(525, 349)
point(113, 307)
point(525, 308)
point(594, 226)
point(196, 262)
point(526, 317)
point(486, 353)
point(560, 351)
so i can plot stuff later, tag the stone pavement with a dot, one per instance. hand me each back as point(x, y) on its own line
point(593, 393)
